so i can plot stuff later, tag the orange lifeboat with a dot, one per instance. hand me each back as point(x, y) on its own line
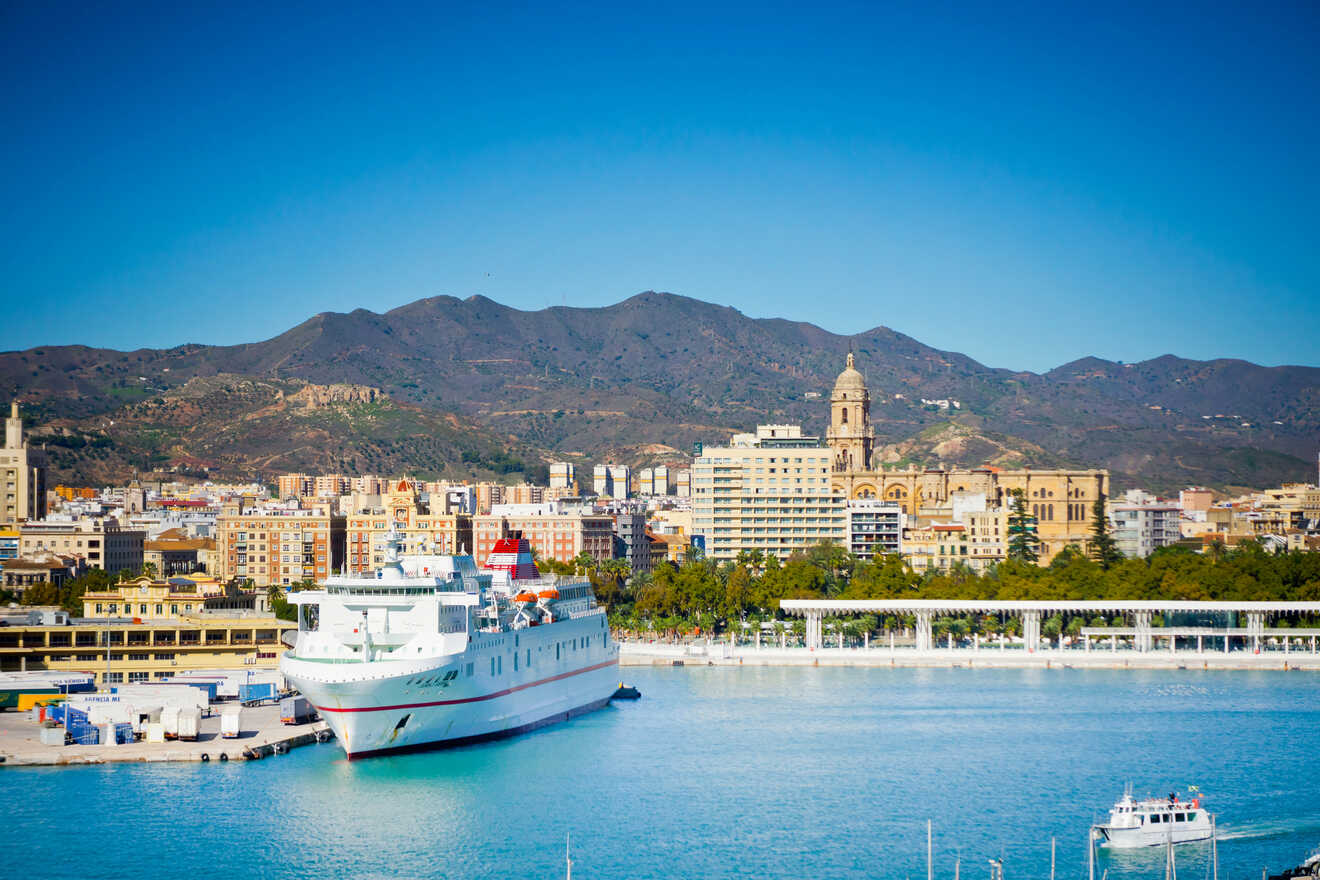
point(525, 597)
point(551, 593)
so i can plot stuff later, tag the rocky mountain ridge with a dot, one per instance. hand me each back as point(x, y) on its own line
point(658, 371)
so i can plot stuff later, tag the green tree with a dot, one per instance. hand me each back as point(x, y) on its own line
point(282, 608)
point(1022, 541)
point(1102, 546)
point(584, 563)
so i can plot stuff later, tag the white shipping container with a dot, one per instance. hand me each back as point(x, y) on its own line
point(109, 713)
point(228, 680)
point(169, 719)
point(231, 723)
point(165, 694)
point(190, 721)
point(141, 715)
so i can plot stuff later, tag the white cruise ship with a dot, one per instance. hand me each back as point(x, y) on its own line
point(428, 652)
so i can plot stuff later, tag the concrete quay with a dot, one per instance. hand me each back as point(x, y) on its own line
point(263, 735)
point(716, 653)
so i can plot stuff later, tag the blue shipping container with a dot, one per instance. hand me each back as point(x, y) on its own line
point(56, 714)
point(261, 691)
point(84, 734)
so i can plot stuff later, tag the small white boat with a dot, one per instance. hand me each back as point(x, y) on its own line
point(1154, 822)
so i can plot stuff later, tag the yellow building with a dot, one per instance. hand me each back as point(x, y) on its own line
point(978, 541)
point(422, 530)
point(1290, 507)
point(1061, 500)
point(22, 475)
point(149, 599)
point(147, 651)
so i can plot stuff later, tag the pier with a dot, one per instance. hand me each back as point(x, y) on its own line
point(262, 735)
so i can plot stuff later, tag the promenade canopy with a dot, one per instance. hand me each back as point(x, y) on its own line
point(1031, 611)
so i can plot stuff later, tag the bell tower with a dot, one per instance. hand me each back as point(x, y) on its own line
point(850, 436)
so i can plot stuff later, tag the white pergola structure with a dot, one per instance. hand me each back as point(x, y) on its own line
point(1141, 613)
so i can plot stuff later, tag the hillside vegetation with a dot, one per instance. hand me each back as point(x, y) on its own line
point(659, 370)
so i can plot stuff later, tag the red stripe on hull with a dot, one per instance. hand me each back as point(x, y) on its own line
point(490, 696)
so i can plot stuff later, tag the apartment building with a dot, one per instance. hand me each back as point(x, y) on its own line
point(653, 480)
point(1140, 529)
point(102, 542)
point(563, 475)
point(875, 528)
point(553, 536)
point(278, 545)
point(767, 491)
point(632, 542)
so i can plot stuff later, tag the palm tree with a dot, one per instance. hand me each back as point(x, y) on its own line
point(584, 563)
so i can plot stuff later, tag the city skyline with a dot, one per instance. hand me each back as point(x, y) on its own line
point(1099, 186)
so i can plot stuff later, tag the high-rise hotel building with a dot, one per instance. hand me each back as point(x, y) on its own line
point(768, 491)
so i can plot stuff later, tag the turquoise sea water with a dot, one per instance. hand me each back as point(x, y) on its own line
point(720, 772)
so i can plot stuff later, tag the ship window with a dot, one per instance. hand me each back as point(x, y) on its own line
point(501, 664)
point(557, 644)
point(492, 665)
point(515, 662)
point(529, 656)
point(1191, 817)
point(469, 670)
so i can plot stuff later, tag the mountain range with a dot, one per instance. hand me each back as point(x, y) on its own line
point(452, 387)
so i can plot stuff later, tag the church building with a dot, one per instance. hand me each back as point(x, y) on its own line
point(1061, 500)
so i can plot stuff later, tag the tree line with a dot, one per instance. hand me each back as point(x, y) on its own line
point(700, 593)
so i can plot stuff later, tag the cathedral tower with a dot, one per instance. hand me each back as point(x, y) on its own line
point(850, 436)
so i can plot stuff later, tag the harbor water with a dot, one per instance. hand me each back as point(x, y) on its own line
point(718, 772)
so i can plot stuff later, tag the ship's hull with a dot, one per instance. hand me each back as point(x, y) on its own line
point(1154, 835)
point(387, 707)
point(477, 738)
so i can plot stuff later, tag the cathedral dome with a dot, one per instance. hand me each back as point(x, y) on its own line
point(850, 379)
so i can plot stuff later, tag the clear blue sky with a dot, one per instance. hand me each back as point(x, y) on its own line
point(1026, 184)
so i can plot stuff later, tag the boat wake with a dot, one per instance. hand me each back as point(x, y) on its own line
point(1308, 825)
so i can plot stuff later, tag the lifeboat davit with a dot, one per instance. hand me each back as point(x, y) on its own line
point(551, 593)
point(525, 597)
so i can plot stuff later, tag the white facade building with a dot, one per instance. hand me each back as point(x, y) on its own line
point(875, 528)
point(768, 491)
point(1140, 529)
